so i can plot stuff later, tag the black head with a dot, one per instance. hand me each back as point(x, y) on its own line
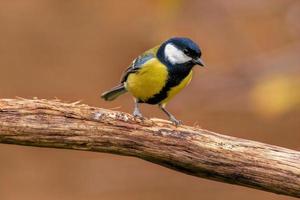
point(180, 50)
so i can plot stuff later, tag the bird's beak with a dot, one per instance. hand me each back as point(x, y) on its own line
point(198, 61)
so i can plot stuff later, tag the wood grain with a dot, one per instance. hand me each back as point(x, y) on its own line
point(190, 150)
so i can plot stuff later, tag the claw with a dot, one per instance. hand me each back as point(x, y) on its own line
point(137, 114)
point(175, 122)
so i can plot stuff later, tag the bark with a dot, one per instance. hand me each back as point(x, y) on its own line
point(190, 150)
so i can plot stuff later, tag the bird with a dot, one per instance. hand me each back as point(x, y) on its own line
point(158, 74)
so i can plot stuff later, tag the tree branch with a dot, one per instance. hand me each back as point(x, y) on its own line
point(186, 149)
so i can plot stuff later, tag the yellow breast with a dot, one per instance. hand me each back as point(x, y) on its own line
point(148, 81)
point(174, 90)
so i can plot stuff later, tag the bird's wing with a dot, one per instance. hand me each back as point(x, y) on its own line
point(139, 62)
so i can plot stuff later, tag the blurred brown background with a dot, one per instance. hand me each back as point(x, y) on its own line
point(74, 50)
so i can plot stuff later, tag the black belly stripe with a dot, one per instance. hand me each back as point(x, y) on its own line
point(176, 75)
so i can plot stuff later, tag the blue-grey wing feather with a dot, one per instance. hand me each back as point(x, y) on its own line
point(136, 65)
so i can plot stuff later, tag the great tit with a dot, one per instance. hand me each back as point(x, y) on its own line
point(158, 74)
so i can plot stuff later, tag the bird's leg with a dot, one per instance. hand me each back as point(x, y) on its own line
point(136, 112)
point(171, 117)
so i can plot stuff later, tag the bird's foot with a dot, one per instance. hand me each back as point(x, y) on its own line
point(137, 115)
point(175, 121)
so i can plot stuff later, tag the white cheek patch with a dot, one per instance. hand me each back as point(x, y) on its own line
point(175, 55)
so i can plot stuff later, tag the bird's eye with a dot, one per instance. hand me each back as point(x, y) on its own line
point(186, 51)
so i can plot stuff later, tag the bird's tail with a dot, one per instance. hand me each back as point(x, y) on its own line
point(114, 92)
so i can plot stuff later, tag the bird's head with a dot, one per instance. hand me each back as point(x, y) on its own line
point(179, 50)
